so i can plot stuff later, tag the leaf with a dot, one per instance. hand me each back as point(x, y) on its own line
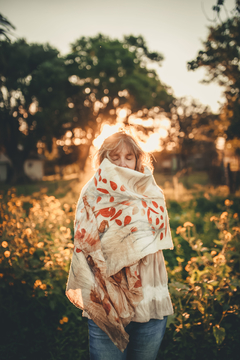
point(170, 320)
point(219, 334)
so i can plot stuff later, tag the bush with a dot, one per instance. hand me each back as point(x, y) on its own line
point(39, 321)
point(206, 295)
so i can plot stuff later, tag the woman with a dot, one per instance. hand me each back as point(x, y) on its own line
point(118, 276)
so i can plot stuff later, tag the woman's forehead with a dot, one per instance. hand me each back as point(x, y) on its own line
point(123, 148)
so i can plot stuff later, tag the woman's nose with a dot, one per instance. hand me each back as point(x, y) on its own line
point(122, 162)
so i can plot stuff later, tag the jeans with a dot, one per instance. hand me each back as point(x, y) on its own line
point(144, 341)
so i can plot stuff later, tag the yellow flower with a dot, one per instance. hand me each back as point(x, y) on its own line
point(65, 319)
point(188, 223)
point(224, 215)
point(235, 216)
point(7, 253)
point(40, 244)
point(43, 286)
point(61, 321)
point(213, 252)
point(4, 244)
point(37, 284)
point(228, 202)
point(213, 218)
point(219, 259)
point(1, 275)
point(31, 250)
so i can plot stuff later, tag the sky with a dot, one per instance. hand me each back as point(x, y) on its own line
point(175, 28)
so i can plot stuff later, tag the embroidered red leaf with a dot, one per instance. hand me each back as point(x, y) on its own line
point(99, 199)
point(118, 222)
point(133, 229)
point(155, 204)
point(93, 208)
point(161, 236)
point(122, 188)
point(142, 212)
point(153, 211)
point(161, 208)
point(162, 225)
point(138, 282)
point(148, 216)
point(106, 305)
point(104, 181)
point(144, 204)
point(113, 185)
point(112, 211)
point(126, 202)
point(104, 191)
point(99, 171)
point(78, 250)
point(95, 181)
point(111, 199)
point(116, 215)
point(135, 210)
point(100, 178)
point(106, 212)
point(161, 217)
point(127, 220)
point(157, 221)
point(80, 234)
point(103, 225)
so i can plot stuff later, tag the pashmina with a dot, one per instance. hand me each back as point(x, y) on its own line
point(121, 217)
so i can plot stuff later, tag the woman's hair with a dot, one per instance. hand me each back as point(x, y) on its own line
point(115, 142)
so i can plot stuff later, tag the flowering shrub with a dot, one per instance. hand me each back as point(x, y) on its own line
point(35, 252)
point(205, 292)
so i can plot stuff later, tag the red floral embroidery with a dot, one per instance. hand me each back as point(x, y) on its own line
point(127, 220)
point(144, 204)
point(155, 204)
point(113, 185)
point(111, 199)
point(104, 191)
point(116, 215)
point(118, 222)
point(99, 199)
point(104, 181)
point(122, 188)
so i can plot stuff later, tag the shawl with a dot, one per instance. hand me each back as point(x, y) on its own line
point(121, 217)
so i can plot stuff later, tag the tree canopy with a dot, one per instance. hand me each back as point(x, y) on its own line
point(221, 57)
point(33, 84)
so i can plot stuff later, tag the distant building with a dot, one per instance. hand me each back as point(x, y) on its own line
point(33, 167)
point(5, 167)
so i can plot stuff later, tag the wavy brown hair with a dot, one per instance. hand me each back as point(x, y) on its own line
point(115, 142)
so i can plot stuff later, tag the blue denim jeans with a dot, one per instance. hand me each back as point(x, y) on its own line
point(144, 341)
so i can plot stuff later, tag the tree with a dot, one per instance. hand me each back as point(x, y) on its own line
point(5, 27)
point(33, 105)
point(108, 75)
point(193, 130)
point(221, 58)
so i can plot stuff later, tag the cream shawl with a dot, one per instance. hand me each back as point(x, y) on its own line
point(121, 217)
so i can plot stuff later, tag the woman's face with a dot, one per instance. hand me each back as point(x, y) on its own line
point(123, 157)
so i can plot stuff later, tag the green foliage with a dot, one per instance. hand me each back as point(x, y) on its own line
point(33, 84)
point(108, 74)
point(35, 251)
point(205, 291)
point(220, 56)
